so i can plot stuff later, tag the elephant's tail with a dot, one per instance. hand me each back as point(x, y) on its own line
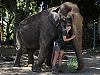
point(18, 45)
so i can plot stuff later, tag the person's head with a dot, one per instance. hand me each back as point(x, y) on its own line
point(68, 28)
point(64, 10)
point(69, 11)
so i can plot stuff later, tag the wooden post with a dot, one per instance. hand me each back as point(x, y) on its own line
point(94, 35)
point(99, 26)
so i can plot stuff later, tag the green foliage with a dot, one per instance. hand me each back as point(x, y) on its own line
point(28, 6)
point(13, 13)
point(8, 20)
point(72, 64)
point(24, 9)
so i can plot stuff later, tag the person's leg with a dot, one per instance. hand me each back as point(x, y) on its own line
point(54, 66)
point(61, 53)
point(56, 54)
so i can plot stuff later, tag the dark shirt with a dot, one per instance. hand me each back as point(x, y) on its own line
point(63, 32)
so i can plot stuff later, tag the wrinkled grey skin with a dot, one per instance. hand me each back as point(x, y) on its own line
point(38, 32)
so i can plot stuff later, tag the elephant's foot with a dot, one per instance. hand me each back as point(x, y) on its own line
point(80, 66)
point(46, 68)
point(16, 65)
point(36, 68)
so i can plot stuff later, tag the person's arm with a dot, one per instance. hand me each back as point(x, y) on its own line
point(68, 28)
point(66, 34)
point(68, 39)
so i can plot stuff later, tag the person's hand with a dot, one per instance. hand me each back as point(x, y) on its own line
point(70, 38)
point(73, 36)
point(67, 40)
point(68, 28)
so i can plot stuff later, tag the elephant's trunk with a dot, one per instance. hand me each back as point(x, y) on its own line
point(78, 50)
point(77, 41)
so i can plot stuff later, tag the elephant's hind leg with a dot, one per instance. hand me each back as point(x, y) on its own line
point(30, 57)
point(18, 57)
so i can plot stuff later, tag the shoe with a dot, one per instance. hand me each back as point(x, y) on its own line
point(60, 69)
point(35, 68)
point(54, 70)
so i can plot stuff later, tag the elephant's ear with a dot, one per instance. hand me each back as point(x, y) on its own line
point(54, 16)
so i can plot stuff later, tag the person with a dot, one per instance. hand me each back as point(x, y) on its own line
point(59, 44)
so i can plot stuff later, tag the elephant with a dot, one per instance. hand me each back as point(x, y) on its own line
point(38, 32)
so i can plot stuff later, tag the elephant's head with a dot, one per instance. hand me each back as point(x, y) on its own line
point(70, 9)
point(61, 13)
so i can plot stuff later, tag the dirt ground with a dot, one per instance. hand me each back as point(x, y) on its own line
point(92, 67)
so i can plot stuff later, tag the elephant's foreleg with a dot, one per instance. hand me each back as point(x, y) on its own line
point(42, 55)
point(48, 61)
point(41, 59)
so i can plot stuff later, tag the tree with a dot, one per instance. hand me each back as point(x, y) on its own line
point(19, 9)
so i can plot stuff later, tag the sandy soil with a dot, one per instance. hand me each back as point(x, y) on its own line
point(92, 67)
